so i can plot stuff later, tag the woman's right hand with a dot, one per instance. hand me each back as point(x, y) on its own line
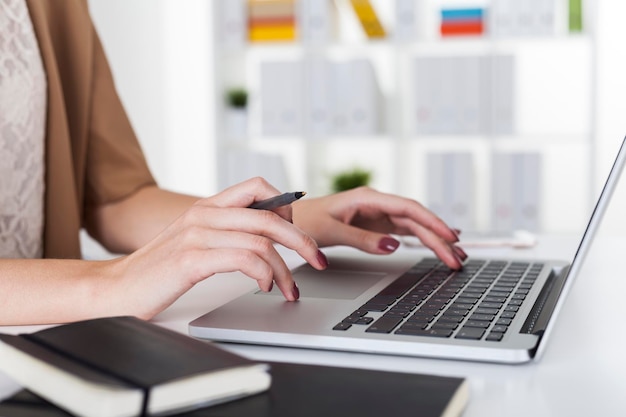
point(217, 234)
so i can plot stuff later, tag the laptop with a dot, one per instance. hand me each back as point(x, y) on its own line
point(494, 310)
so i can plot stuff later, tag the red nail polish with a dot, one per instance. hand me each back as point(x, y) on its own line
point(460, 252)
point(321, 258)
point(295, 291)
point(388, 244)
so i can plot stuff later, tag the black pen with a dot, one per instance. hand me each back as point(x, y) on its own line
point(278, 201)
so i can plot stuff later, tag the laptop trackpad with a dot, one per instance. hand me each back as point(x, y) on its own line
point(335, 284)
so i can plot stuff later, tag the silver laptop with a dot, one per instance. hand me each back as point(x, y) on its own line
point(494, 310)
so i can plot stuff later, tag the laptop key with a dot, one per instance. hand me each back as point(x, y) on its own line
point(490, 305)
point(499, 329)
point(481, 310)
point(482, 317)
point(456, 312)
point(374, 307)
point(419, 332)
point(415, 325)
point(494, 336)
point(342, 326)
point(450, 319)
point(445, 326)
point(472, 333)
point(477, 324)
point(384, 325)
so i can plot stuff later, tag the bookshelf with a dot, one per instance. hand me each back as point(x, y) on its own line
point(510, 107)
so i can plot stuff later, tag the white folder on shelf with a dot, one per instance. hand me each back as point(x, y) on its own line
point(405, 28)
point(317, 21)
point(232, 25)
point(470, 95)
point(318, 97)
point(451, 188)
point(527, 177)
point(426, 94)
point(436, 196)
point(500, 82)
point(364, 99)
point(516, 191)
point(502, 192)
point(282, 97)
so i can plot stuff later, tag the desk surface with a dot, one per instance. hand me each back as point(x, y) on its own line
point(582, 372)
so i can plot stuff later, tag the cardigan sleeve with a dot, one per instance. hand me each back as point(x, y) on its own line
point(92, 154)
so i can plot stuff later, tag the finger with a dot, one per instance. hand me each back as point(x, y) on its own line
point(262, 247)
point(248, 262)
point(396, 206)
point(246, 193)
point(242, 194)
point(264, 223)
point(444, 250)
point(365, 240)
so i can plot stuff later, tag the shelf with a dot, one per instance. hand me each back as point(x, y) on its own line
point(524, 97)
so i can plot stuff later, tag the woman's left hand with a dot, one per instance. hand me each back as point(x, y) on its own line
point(364, 218)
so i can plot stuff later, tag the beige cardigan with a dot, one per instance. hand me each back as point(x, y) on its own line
point(92, 154)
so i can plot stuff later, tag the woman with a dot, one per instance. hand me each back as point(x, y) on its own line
point(70, 160)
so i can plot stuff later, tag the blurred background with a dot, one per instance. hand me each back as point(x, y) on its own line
point(499, 115)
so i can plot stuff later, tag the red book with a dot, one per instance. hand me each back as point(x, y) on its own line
point(462, 28)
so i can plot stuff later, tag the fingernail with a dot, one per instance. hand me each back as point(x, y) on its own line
point(322, 259)
point(295, 291)
point(388, 244)
point(460, 252)
point(457, 232)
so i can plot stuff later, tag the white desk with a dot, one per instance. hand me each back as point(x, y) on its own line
point(582, 373)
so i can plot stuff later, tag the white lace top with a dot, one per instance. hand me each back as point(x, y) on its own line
point(22, 133)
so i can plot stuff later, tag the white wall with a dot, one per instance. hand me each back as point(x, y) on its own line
point(611, 102)
point(161, 55)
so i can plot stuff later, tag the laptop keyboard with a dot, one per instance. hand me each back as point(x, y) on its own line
point(477, 302)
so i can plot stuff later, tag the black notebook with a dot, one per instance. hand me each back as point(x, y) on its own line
point(316, 391)
point(124, 366)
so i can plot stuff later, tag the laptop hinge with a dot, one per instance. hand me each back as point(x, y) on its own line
point(539, 316)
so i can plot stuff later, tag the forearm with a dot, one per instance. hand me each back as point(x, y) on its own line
point(54, 291)
point(215, 235)
point(127, 225)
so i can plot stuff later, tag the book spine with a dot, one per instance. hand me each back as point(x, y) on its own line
point(271, 33)
point(575, 18)
point(271, 20)
point(456, 22)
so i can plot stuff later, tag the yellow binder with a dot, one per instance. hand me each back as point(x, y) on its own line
point(368, 18)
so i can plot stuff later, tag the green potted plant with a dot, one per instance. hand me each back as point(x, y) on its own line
point(236, 112)
point(351, 178)
point(237, 97)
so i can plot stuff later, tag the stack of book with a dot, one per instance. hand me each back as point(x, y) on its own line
point(455, 22)
point(126, 367)
point(271, 20)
